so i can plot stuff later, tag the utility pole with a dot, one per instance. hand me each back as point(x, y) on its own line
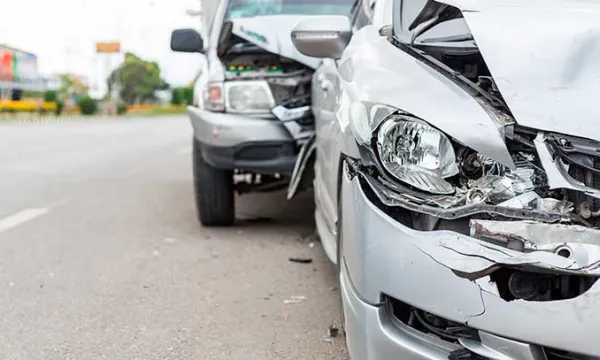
point(107, 50)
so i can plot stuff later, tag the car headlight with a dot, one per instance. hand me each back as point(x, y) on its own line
point(416, 153)
point(248, 97)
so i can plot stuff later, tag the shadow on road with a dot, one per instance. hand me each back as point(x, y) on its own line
point(259, 209)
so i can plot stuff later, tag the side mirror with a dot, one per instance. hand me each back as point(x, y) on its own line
point(322, 36)
point(187, 40)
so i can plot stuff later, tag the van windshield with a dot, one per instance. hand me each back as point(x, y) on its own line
point(250, 8)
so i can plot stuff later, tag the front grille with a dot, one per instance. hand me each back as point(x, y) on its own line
point(427, 323)
point(265, 152)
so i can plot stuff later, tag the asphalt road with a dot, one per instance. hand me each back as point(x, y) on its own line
point(101, 255)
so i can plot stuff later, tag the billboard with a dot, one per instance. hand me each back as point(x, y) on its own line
point(108, 47)
point(19, 70)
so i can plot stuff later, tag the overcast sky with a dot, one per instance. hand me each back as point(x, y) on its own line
point(63, 33)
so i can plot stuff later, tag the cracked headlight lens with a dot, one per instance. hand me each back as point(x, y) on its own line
point(417, 154)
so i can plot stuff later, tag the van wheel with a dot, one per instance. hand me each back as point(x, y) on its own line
point(214, 192)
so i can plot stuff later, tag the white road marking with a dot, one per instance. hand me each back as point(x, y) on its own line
point(21, 217)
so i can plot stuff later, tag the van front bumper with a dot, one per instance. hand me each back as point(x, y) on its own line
point(230, 141)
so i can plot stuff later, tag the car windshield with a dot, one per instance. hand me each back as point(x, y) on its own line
point(250, 8)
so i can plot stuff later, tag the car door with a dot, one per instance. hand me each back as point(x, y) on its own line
point(328, 94)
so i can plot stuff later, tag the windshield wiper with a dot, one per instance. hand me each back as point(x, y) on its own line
point(449, 39)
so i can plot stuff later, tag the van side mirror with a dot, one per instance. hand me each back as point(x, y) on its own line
point(322, 36)
point(187, 40)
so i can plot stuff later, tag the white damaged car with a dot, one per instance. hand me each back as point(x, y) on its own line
point(457, 176)
point(252, 117)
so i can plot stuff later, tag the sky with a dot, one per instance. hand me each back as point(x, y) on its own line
point(63, 33)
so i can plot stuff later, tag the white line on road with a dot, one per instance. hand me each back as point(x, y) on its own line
point(21, 217)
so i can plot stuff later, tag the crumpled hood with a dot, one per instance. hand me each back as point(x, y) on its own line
point(274, 34)
point(545, 58)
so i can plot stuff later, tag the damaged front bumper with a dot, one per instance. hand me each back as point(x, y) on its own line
point(465, 276)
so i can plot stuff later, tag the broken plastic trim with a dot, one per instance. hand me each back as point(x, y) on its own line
point(408, 200)
point(556, 170)
point(284, 114)
point(300, 169)
point(296, 115)
point(293, 109)
point(394, 199)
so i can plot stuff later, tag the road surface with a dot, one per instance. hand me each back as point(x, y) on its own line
point(101, 256)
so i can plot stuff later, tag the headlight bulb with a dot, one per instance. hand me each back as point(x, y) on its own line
point(417, 154)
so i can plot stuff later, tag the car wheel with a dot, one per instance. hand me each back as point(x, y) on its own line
point(214, 192)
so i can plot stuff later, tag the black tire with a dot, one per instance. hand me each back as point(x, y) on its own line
point(215, 202)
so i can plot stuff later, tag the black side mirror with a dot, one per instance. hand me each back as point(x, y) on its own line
point(187, 40)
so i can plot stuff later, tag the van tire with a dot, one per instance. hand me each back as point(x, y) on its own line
point(214, 192)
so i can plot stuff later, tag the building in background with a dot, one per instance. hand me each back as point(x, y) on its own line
point(53, 82)
point(18, 73)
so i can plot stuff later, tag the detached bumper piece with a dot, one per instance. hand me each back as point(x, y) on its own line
point(296, 116)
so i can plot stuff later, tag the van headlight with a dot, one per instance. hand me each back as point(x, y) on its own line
point(248, 97)
point(417, 154)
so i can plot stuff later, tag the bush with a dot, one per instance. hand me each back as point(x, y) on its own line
point(87, 105)
point(188, 95)
point(51, 96)
point(122, 109)
point(176, 96)
point(59, 107)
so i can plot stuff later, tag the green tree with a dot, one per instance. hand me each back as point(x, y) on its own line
point(182, 95)
point(137, 79)
point(72, 85)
